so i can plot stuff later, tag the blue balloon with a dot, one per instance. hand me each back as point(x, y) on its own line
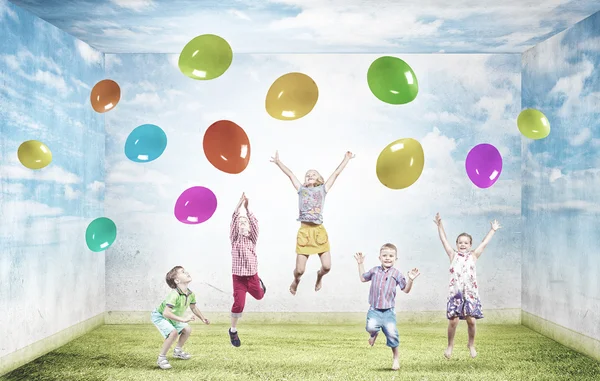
point(145, 143)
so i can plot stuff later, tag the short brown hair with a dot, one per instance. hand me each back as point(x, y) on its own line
point(170, 278)
point(389, 246)
point(465, 235)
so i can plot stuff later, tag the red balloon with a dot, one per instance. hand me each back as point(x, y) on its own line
point(227, 147)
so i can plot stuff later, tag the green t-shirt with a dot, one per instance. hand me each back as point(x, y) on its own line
point(178, 301)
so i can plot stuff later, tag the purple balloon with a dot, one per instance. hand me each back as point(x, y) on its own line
point(195, 205)
point(484, 165)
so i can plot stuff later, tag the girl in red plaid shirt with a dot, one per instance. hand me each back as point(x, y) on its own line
point(244, 267)
point(312, 238)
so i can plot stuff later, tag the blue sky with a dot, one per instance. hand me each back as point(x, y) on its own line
point(46, 97)
point(314, 26)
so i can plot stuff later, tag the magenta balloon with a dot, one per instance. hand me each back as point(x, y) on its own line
point(484, 165)
point(195, 205)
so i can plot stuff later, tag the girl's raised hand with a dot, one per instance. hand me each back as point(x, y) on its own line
point(495, 225)
point(275, 159)
point(413, 274)
point(360, 258)
point(438, 219)
point(350, 155)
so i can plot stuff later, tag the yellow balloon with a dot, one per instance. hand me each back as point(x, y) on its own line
point(291, 96)
point(400, 164)
point(34, 154)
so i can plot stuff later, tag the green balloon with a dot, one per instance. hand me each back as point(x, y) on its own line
point(392, 80)
point(205, 57)
point(100, 234)
point(533, 124)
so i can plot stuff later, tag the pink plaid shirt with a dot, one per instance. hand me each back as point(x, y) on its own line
point(243, 249)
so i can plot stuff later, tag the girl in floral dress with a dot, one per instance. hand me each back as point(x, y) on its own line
point(463, 294)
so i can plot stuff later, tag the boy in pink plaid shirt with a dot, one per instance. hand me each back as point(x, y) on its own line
point(244, 267)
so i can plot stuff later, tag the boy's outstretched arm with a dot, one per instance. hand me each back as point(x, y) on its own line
point(360, 258)
point(253, 223)
point(197, 312)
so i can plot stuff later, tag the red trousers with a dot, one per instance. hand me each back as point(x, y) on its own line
point(241, 286)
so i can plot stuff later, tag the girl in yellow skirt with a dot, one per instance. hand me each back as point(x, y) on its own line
point(312, 237)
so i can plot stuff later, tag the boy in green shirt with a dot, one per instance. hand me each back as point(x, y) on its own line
point(169, 316)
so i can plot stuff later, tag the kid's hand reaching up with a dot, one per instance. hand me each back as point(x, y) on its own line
point(495, 225)
point(275, 159)
point(205, 321)
point(438, 219)
point(360, 258)
point(350, 155)
point(413, 274)
point(245, 201)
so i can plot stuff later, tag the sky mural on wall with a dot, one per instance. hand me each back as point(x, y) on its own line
point(314, 26)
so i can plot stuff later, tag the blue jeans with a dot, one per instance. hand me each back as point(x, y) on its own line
point(386, 321)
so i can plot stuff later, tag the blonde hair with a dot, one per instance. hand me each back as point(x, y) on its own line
point(170, 278)
point(465, 235)
point(389, 246)
point(320, 181)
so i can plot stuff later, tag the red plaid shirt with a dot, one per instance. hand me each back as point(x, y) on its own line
point(243, 249)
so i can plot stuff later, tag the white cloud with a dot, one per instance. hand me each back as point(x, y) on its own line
point(239, 14)
point(591, 44)
point(130, 172)
point(6, 11)
point(13, 212)
point(22, 119)
point(70, 193)
point(135, 5)
point(12, 188)
point(555, 174)
point(49, 173)
point(96, 186)
point(81, 84)
point(583, 136)
point(89, 54)
point(572, 86)
point(52, 80)
point(443, 117)
point(146, 99)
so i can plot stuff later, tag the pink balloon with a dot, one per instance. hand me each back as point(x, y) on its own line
point(484, 165)
point(195, 205)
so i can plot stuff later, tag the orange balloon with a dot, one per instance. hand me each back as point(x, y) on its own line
point(227, 147)
point(105, 95)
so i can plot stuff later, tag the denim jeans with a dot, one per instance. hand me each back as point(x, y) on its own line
point(386, 321)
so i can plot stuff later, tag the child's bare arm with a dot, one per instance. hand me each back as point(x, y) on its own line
point(331, 180)
point(442, 234)
point(197, 312)
point(412, 275)
point(168, 313)
point(360, 258)
point(487, 239)
point(284, 169)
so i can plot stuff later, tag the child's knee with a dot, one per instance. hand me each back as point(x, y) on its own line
point(325, 269)
point(187, 330)
point(172, 334)
point(299, 272)
point(471, 321)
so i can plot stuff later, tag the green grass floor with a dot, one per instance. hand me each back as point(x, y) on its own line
point(311, 352)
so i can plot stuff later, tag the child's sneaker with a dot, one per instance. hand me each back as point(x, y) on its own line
point(235, 339)
point(180, 354)
point(163, 363)
point(263, 286)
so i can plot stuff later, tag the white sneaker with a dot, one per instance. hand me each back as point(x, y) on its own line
point(178, 353)
point(163, 363)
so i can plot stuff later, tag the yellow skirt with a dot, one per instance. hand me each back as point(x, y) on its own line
point(312, 239)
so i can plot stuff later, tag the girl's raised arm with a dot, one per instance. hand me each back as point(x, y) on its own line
point(495, 226)
point(284, 169)
point(442, 234)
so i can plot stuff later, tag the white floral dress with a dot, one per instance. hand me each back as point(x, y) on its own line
point(463, 293)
